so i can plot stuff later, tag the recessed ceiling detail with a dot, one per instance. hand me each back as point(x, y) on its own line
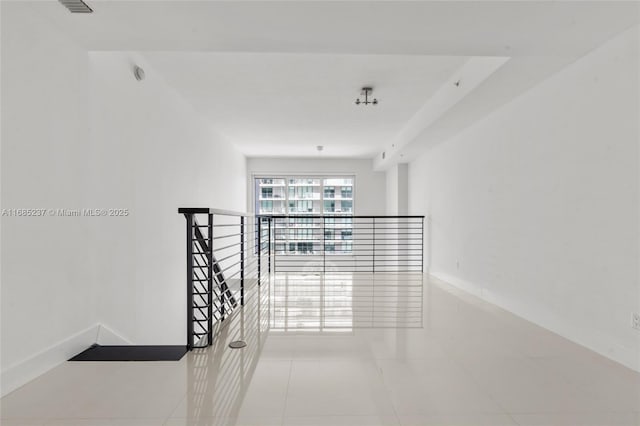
point(261, 102)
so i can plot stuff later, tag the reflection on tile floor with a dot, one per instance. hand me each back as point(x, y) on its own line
point(348, 350)
point(344, 301)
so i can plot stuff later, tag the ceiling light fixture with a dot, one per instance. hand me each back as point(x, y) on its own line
point(367, 93)
point(76, 6)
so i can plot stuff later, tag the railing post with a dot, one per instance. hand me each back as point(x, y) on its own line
point(422, 246)
point(324, 244)
point(241, 260)
point(373, 264)
point(274, 247)
point(259, 218)
point(210, 281)
point(223, 290)
point(189, 218)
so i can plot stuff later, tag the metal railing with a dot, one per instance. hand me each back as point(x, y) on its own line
point(223, 258)
point(228, 252)
point(338, 243)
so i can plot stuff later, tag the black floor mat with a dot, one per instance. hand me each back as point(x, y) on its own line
point(131, 353)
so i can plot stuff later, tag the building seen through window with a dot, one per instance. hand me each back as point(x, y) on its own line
point(328, 203)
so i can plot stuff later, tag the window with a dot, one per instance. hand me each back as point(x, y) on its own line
point(270, 196)
point(312, 196)
point(300, 206)
point(305, 248)
point(329, 192)
point(267, 192)
point(329, 206)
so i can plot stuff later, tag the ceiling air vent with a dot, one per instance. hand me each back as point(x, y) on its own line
point(76, 6)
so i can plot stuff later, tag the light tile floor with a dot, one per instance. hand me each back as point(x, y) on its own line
point(352, 350)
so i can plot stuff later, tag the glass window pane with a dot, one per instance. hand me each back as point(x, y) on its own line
point(338, 181)
point(312, 196)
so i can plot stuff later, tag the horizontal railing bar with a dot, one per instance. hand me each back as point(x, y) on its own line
point(226, 268)
point(253, 260)
point(360, 225)
point(337, 252)
point(343, 267)
point(339, 259)
point(226, 247)
point(319, 234)
point(206, 210)
point(396, 271)
point(362, 247)
point(358, 248)
point(375, 293)
point(357, 238)
point(340, 266)
point(339, 216)
point(234, 274)
point(361, 304)
point(277, 226)
point(219, 237)
point(237, 253)
point(337, 313)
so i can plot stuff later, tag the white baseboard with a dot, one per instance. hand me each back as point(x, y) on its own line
point(21, 373)
point(600, 344)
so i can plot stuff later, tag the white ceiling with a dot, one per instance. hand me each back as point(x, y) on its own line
point(287, 104)
point(279, 78)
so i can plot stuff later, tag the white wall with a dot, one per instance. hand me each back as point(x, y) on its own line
point(47, 297)
point(392, 190)
point(151, 153)
point(78, 131)
point(536, 208)
point(370, 187)
point(397, 189)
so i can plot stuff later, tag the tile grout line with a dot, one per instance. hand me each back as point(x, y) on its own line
point(286, 394)
point(512, 419)
point(387, 391)
point(464, 368)
point(170, 417)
